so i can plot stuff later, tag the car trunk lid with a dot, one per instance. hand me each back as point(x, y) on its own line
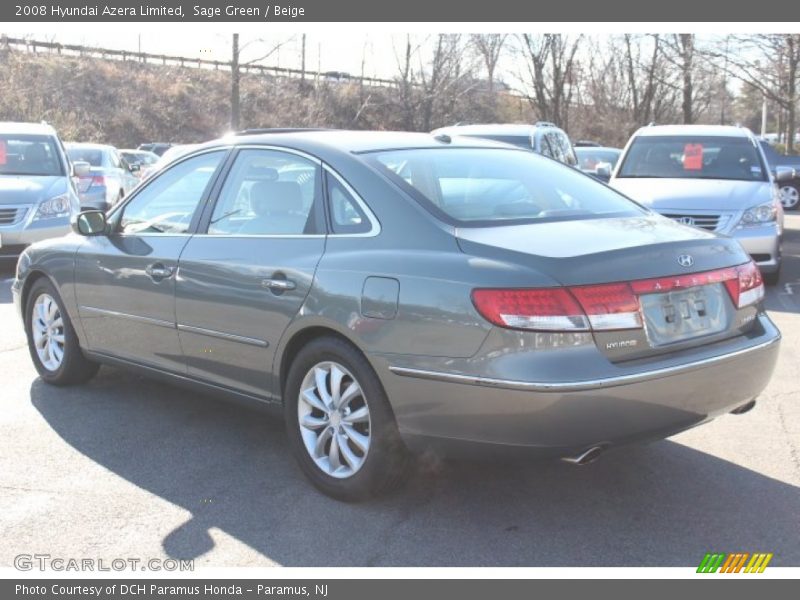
point(646, 285)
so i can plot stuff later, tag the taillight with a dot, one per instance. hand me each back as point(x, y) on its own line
point(548, 309)
point(606, 306)
point(98, 180)
point(609, 306)
point(748, 286)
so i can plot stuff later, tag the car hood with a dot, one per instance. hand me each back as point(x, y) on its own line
point(27, 189)
point(694, 194)
point(603, 250)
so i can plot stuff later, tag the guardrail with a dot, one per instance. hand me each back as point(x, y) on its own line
point(36, 46)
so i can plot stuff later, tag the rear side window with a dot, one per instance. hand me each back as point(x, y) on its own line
point(345, 213)
point(269, 192)
point(474, 187)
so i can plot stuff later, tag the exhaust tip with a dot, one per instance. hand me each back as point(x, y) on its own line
point(744, 408)
point(585, 457)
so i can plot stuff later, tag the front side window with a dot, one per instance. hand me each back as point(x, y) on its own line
point(31, 155)
point(169, 201)
point(268, 192)
point(474, 187)
point(693, 157)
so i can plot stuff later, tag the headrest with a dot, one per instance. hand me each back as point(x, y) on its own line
point(276, 198)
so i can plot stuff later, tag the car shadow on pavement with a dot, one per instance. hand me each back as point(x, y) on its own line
point(658, 505)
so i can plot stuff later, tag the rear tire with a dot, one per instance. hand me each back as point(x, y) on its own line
point(340, 425)
point(52, 341)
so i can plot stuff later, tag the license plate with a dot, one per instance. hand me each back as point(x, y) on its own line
point(684, 314)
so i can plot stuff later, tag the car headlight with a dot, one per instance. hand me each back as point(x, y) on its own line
point(55, 207)
point(759, 215)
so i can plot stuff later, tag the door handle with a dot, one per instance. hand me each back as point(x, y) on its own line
point(278, 285)
point(159, 271)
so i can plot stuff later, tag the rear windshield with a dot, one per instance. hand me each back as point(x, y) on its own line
point(482, 186)
point(29, 155)
point(92, 156)
point(590, 158)
point(693, 157)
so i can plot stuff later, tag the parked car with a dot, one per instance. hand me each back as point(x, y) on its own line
point(533, 310)
point(110, 177)
point(169, 155)
point(155, 147)
point(597, 161)
point(142, 158)
point(711, 176)
point(790, 189)
point(542, 137)
point(37, 193)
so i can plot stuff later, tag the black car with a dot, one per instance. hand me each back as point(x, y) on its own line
point(790, 190)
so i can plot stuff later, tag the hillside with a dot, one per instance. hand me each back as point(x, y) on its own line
point(127, 103)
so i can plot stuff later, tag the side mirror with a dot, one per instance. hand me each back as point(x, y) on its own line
point(81, 168)
point(603, 171)
point(90, 223)
point(134, 167)
point(784, 173)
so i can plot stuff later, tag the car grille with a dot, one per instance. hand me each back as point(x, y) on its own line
point(11, 215)
point(707, 221)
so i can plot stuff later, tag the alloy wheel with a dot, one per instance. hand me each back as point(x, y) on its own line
point(333, 415)
point(790, 196)
point(47, 326)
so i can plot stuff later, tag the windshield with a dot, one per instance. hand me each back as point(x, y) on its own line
point(482, 186)
point(693, 157)
point(29, 155)
point(590, 158)
point(93, 156)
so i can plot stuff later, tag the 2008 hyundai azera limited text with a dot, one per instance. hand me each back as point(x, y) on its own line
point(401, 292)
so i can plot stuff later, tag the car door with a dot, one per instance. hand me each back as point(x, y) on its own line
point(125, 281)
point(245, 277)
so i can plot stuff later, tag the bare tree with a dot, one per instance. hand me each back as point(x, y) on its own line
point(550, 62)
point(770, 63)
point(431, 80)
point(489, 47)
point(236, 70)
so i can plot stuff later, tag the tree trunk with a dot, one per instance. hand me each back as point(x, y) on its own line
point(687, 50)
point(235, 75)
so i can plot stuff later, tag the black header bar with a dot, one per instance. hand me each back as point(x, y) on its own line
point(493, 11)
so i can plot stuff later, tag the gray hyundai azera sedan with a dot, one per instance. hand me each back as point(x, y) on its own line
point(397, 292)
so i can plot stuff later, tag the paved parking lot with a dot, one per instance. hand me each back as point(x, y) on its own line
point(125, 467)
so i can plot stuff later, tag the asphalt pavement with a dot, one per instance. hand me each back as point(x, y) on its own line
point(127, 467)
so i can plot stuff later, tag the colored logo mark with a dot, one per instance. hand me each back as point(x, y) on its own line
point(737, 562)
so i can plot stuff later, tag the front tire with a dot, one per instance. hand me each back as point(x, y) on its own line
point(52, 341)
point(790, 195)
point(339, 423)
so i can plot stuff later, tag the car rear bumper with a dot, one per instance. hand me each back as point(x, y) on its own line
point(455, 412)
